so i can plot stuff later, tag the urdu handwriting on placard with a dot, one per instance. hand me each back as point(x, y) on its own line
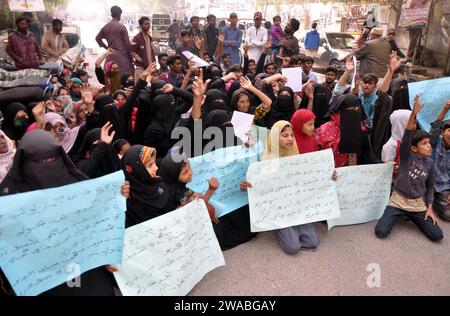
point(163, 259)
point(42, 234)
point(299, 190)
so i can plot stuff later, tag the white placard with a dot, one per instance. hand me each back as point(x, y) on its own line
point(242, 124)
point(168, 255)
point(198, 62)
point(292, 191)
point(294, 78)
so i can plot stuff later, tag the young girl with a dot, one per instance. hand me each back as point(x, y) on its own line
point(303, 124)
point(149, 196)
point(177, 173)
point(281, 143)
point(232, 229)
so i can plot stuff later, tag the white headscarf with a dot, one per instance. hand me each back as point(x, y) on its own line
point(399, 120)
point(6, 159)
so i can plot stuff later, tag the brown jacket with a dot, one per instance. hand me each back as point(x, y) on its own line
point(50, 50)
point(138, 48)
point(374, 57)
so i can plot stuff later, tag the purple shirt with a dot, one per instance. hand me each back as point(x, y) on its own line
point(24, 50)
point(277, 32)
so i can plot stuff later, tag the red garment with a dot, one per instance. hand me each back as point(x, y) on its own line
point(305, 143)
point(25, 48)
point(329, 136)
point(133, 118)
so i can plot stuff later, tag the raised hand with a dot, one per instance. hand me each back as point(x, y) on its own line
point(349, 66)
point(417, 105)
point(246, 83)
point(394, 62)
point(246, 47)
point(104, 135)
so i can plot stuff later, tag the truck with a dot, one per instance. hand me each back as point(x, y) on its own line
point(160, 24)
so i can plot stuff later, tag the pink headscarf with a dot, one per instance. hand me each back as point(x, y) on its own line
point(108, 67)
point(68, 137)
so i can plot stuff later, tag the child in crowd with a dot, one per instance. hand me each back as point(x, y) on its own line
point(414, 188)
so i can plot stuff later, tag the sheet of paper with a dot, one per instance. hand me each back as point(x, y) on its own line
point(198, 62)
point(294, 78)
point(292, 191)
point(434, 93)
point(363, 193)
point(168, 255)
point(229, 165)
point(242, 124)
point(45, 233)
point(354, 73)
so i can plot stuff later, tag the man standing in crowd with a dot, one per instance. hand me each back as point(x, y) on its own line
point(312, 41)
point(22, 46)
point(116, 35)
point(142, 48)
point(35, 27)
point(233, 39)
point(194, 27)
point(290, 43)
point(211, 34)
point(54, 44)
point(374, 55)
point(256, 37)
point(174, 33)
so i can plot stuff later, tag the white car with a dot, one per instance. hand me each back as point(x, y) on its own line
point(334, 47)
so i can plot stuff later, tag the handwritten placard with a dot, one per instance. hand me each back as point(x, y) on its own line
point(292, 191)
point(363, 193)
point(229, 165)
point(169, 254)
point(45, 232)
point(434, 93)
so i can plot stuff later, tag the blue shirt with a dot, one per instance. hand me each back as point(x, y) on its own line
point(312, 40)
point(232, 34)
point(369, 104)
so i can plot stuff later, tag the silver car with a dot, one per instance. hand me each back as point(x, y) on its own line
point(334, 47)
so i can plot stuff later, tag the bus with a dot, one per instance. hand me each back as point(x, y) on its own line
point(160, 24)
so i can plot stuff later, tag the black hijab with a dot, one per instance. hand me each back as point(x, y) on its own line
point(234, 86)
point(283, 109)
point(103, 159)
point(13, 131)
point(215, 100)
point(109, 112)
point(400, 95)
point(148, 196)
point(40, 163)
point(169, 171)
point(163, 113)
point(220, 119)
point(125, 83)
point(235, 98)
point(351, 135)
point(320, 104)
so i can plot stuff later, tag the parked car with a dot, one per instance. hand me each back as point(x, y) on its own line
point(334, 47)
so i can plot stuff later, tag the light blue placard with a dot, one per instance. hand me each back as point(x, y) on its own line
point(229, 165)
point(46, 235)
point(434, 93)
